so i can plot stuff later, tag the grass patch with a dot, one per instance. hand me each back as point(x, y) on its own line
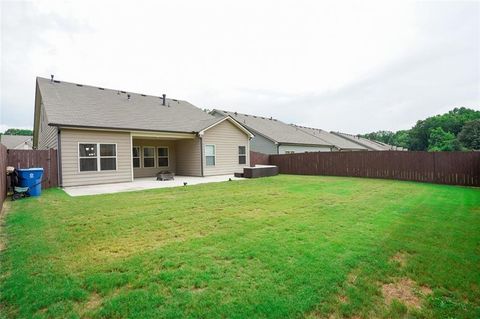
point(287, 246)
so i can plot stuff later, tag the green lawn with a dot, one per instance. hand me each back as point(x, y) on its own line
point(286, 246)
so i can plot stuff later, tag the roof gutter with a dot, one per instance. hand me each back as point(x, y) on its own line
point(126, 129)
point(201, 155)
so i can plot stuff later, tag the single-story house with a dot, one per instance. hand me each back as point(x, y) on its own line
point(370, 145)
point(340, 143)
point(105, 136)
point(17, 142)
point(272, 136)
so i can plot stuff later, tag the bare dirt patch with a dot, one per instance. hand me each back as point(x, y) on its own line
point(352, 277)
point(93, 302)
point(3, 212)
point(426, 290)
point(400, 258)
point(404, 290)
point(343, 299)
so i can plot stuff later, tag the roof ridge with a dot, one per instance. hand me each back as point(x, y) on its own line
point(108, 89)
point(251, 115)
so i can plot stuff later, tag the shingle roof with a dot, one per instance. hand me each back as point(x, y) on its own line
point(339, 142)
point(372, 145)
point(71, 104)
point(16, 141)
point(274, 129)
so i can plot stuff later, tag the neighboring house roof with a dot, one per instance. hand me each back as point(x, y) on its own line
point(273, 129)
point(76, 105)
point(233, 121)
point(20, 142)
point(392, 147)
point(372, 145)
point(339, 142)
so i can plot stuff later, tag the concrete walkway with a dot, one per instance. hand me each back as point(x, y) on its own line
point(144, 183)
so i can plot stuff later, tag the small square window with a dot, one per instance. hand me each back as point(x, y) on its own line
point(108, 164)
point(162, 153)
point(148, 156)
point(136, 156)
point(88, 150)
point(242, 155)
point(210, 155)
point(88, 164)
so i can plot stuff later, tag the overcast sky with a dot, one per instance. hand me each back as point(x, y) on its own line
point(338, 65)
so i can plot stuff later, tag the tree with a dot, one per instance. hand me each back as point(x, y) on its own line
point(18, 131)
point(451, 122)
point(440, 140)
point(381, 136)
point(401, 138)
point(435, 133)
point(469, 136)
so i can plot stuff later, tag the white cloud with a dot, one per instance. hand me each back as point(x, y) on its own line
point(350, 66)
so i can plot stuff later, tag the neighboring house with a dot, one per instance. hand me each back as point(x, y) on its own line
point(272, 136)
point(106, 136)
point(340, 143)
point(17, 142)
point(369, 144)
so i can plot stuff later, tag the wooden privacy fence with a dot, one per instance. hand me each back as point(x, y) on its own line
point(455, 168)
point(258, 158)
point(3, 167)
point(47, 159)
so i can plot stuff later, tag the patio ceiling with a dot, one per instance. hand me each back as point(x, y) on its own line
point(163, 135)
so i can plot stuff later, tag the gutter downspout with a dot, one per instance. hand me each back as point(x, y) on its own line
point(59, 159)
point(201, 156)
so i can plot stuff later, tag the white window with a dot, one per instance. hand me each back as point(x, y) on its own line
point(91, 160)
point(289, 152)
point(242, 155)
point(210, 155)
point(108, 157)
point(88, 160)
point(162, 153)
point(148, 156)
point(136, 156)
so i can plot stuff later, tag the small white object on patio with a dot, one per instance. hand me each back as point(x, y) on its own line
point(144, 183)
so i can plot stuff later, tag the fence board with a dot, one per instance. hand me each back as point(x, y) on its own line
point(454, 168)
point(3, 168)
point(47, 159)
point(258, 158)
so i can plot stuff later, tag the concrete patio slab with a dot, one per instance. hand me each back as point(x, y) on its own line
point(144, 183)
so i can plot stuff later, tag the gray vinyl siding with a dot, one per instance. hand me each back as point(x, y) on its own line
point(71, 175)
point(187, 157)
point(47, 135)
point(302, 148)
point(152, 171)
point(227, 138)
point(263, 145)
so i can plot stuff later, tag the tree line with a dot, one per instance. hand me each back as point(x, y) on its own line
point(17, 131)
point(456, 130)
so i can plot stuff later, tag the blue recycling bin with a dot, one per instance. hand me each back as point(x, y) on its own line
point(31, 178)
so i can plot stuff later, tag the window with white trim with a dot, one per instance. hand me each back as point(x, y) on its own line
point(242, 155)
point(148, 156)
point(162, 156)
point(136, 156)
point(91, 160)
point(108, 157)
point(210, 155)
point(88, 160)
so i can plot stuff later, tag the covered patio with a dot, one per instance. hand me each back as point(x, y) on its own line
point(178, 153)
point(145, 183)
